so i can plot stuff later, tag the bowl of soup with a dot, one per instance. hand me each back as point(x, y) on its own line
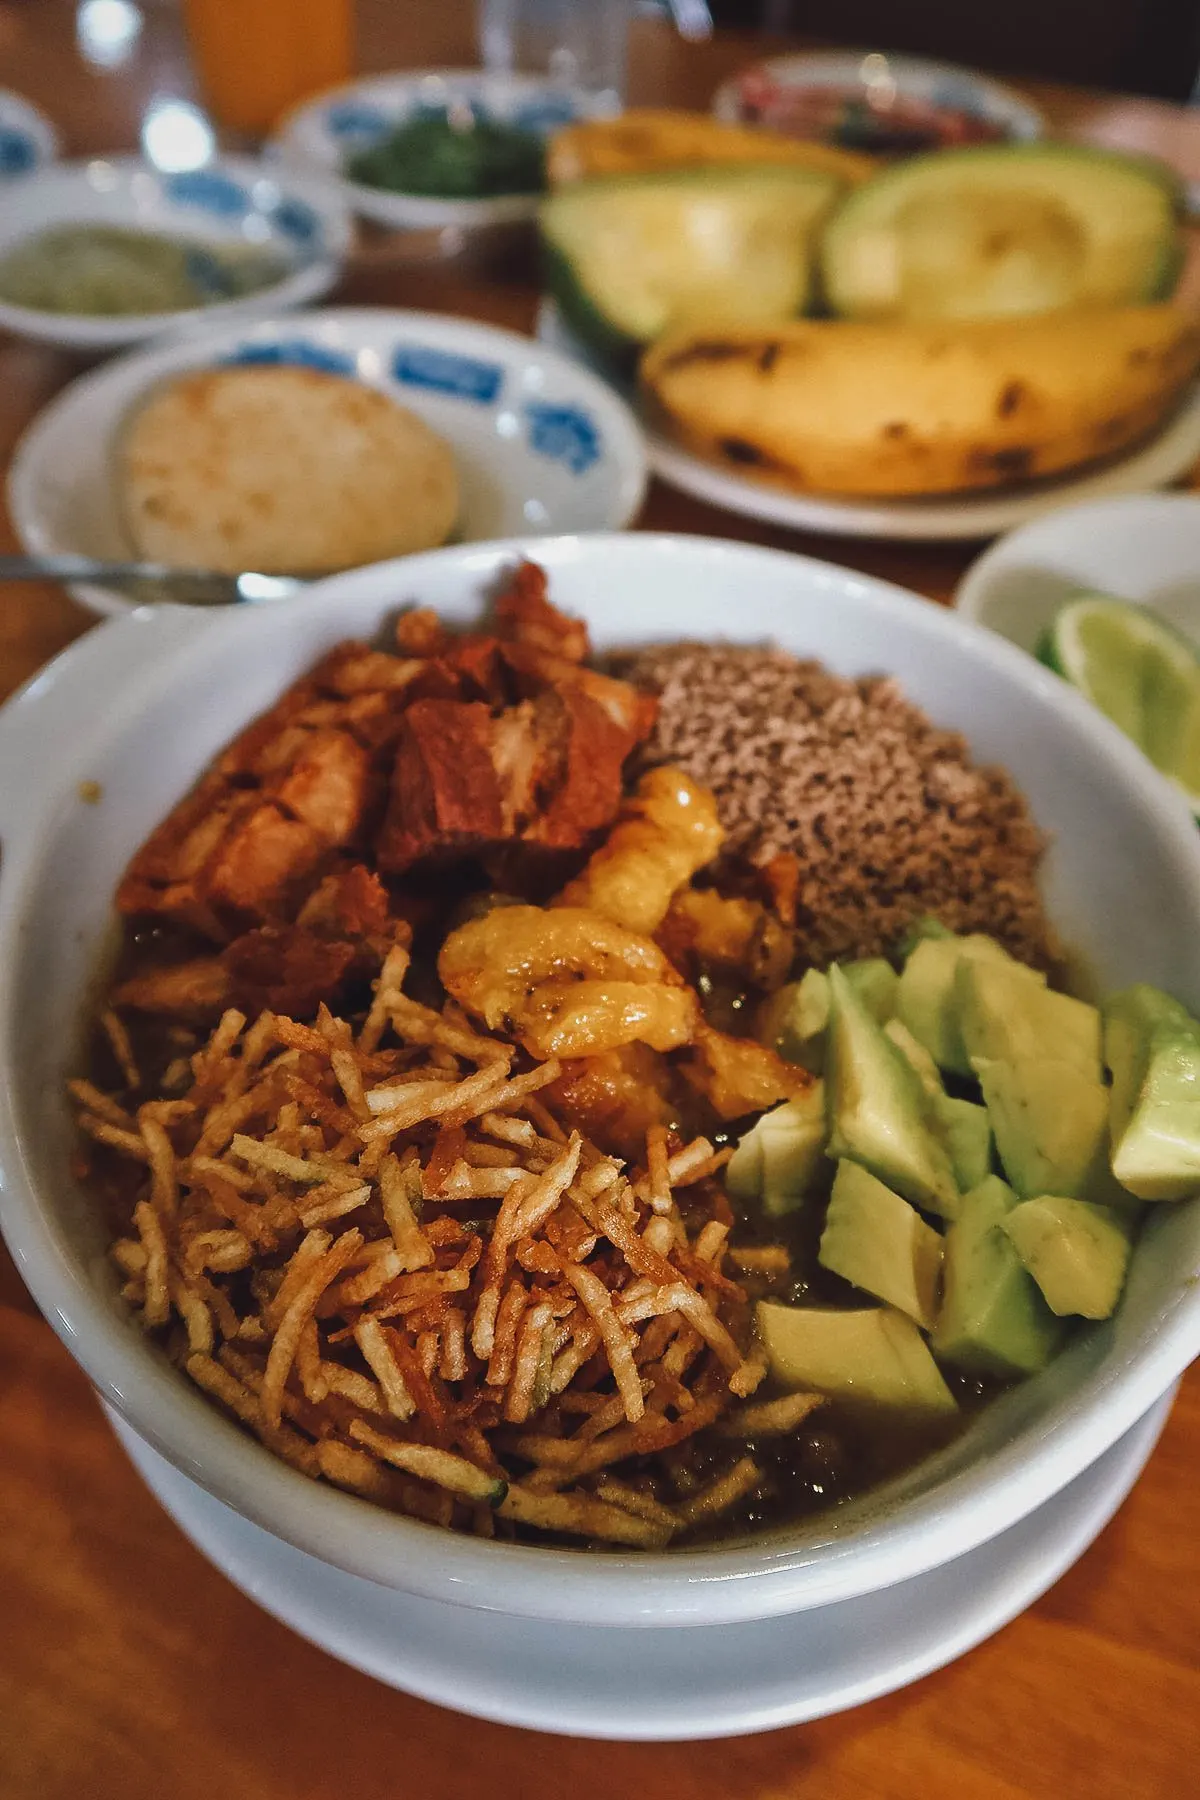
point(387, 1005)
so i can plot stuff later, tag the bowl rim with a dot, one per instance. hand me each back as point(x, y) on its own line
point(307, 279)
point(742, 1581)
point(973, 596)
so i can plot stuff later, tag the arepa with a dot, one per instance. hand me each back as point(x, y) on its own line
point(281, 469)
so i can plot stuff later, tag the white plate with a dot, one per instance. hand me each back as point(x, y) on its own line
point(235, 201)
point(27, 138)
point(706, 1682)
point(935, 83)
point(542, 445)
point(1142, 547)
point(323, 133)
point(1155, 465)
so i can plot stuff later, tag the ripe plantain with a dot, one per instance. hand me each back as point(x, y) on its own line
point(653, 138)
point(893, 409)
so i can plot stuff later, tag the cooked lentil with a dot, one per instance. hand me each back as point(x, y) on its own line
point(885, 811)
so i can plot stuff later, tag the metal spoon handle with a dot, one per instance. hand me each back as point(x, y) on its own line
point(191, 587)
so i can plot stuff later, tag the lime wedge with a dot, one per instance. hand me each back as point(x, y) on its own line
point(1139, 671)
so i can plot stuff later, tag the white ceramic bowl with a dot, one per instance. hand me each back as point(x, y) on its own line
point(324, 132)
point(235, 201)
point(27, 138)
point(177, 685)
point(1141, 547)
point(936, 84)
point(541, 445)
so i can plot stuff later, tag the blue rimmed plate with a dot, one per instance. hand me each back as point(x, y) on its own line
point(324, 133)
point(28, 141)
point(542, 446)
point(234, 201)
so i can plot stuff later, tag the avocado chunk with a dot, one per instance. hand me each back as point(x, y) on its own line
point(924, 927)
point(1006, 1017)
point(967, 1132)
point(1077, 1253)
point(1152, 1046)
point(793, 1021)
point(1051, 1126)
point(1130, 1020)
point(879, 1114)
point(963, 1127)
point(628, 255)
point(927, 996)
point(777, 1161)
point(874, 1358)
point(878, 1242)
point(1002, 230)
point(993, 1320)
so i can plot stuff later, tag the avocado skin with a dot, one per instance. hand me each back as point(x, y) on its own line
point(615, 349)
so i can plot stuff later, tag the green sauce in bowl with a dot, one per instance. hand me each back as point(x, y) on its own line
point(114, 271)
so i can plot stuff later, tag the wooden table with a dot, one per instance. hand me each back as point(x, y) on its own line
point(129, 1668)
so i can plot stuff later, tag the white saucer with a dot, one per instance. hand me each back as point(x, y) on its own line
point(705, 1682)
point(542, 446)
point(945, 519)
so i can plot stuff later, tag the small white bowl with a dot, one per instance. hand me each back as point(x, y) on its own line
point(1140, 547)
point(177, 685)
point(934, 84)
point(234, 201)
point(541, 445)
point(28, 141)
point(320, 135)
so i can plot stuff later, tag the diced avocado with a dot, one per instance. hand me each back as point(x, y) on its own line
point(629, 255)
point(1131, 1018)
point(1050, 1122)
point(1152, 1046)
point(777, 1161)
point(967, 1131)
point(1157, 1155)
point(993, 1320)
point(1002, 230)
point(793, 1021)
point(924, 927)
point(878, 1242)
point(927, 997)
point(963, 1127)
point(1005, 1017)
point(1076, 1252)
point(874, 1358)
point(922, 1064)
point(879, 1114)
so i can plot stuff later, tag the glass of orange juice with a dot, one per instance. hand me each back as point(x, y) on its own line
point(256, 58)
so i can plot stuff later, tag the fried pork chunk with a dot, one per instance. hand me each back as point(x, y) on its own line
point(449, 746)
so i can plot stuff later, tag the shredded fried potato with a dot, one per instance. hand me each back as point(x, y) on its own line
point(407, 1279)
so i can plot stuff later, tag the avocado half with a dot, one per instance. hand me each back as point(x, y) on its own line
point(1001, 230)
point(627, 256)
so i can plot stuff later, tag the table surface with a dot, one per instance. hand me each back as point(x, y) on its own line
point(129, 1667)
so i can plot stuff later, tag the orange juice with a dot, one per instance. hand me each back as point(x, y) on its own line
point(256, 58)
